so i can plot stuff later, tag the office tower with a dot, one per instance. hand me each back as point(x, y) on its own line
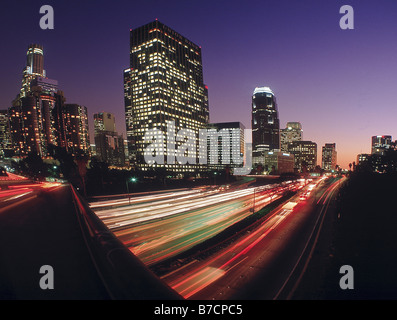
point(32, 115)
point(329, 156)
point(305, 155)
point(292, 132)
point(34, 67)
point(265, 124)
point(76, 129)
point(225, 145)
point(380, 144)
point(163, 83)
point(109, 146)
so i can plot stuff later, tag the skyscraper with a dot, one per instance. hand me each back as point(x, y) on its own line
point(76, 129)
point(39, 117)
point(34, 66)
point(329, 156)
point(265, 124)
point(164, 83)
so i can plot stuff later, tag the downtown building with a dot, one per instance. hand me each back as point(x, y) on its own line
point(329, 157)
point(109, 145)
point(39, 119)
point(305, 155)
point(265, 124)
point(292, 132)
point(163, 85)
point(380, 144)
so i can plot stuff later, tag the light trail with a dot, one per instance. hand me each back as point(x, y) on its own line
point(156, 229)
point(194, 281)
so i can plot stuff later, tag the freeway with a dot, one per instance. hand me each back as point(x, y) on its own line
point(159, 227)
point(266, 263)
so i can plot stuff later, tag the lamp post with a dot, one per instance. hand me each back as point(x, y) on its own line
point(133, 179)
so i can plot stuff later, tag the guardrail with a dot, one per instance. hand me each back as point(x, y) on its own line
point(123, 274)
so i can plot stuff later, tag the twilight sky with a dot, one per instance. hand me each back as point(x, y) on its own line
point(340, 84)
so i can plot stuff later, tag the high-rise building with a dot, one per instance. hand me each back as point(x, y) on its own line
point(76, 129)
point(39, 117)
point(163, 83)
point(380, 144)
point(33, 113)
point(34, 67)
point(305, 155)
point(109, 146)
point(329, 156)
point(265, 124)
point(292, 132)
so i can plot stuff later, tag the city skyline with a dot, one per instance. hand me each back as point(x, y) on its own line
point(337, 83)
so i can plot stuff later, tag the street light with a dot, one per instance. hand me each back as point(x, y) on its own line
point(133, 179)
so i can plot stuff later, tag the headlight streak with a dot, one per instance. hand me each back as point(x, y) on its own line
point(155, 232)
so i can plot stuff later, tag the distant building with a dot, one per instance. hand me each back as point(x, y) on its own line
point(109, 146)
point(265, 124)
point(292, 132)
point(39, 118)
point(305, 155)
point(76, 128)
point(380, 144)
point(104, 121)
point(329, 156)
point(277, 162)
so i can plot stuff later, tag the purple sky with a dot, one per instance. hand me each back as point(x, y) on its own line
point(340, 84)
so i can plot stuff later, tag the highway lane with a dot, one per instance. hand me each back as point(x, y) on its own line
point(260, 264)
point(156, 231)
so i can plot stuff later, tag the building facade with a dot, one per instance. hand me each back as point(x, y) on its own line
point(225, 145)
point(109, 146)
point(265, 124)
point(277, 162)
point(305, 155)
point(380, 144)
point(163, 83)
point(292, 132)
point(329, 157)
point(104, 121)
point(5, 135)
point(76, 129)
